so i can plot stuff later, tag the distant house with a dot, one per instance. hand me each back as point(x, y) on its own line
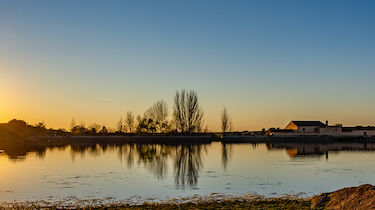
point(317, 128)
point(305, 126)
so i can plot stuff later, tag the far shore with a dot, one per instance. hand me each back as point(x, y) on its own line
point(204, 138)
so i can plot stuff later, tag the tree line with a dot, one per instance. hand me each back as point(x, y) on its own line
point(187, 118)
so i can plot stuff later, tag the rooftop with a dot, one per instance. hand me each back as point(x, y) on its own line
point(309, 123)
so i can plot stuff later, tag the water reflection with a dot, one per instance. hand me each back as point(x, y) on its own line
point(187, 164)
point(296, 150)
point(186, 160)
point(153, 157)
point(226, 154)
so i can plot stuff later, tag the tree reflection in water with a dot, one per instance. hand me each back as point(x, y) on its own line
point(126, 151)
point(187, 164)
point(226, 154)
point(154, 158)
point(186, 160)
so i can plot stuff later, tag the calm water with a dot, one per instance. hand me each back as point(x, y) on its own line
point(161, 171)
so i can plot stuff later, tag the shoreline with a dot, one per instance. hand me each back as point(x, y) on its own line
point(178, 139)
point(359, 197)
point(204, 202)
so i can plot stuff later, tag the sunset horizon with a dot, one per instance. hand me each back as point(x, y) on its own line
point(165, 104)
point(265, 64)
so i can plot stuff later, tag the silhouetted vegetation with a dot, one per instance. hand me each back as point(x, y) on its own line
point(72, 124)
point(226, 122)
point(145, 125)
point(129, 122)
point(158, 113)
point(21, 128)
point(94, 128)
point(80, 130)
point(187, 114)
point(186, 119)
point(120, 125)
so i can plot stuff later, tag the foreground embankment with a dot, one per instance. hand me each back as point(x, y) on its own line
point(361, 197)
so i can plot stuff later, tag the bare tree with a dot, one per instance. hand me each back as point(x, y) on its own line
point(120, 125)
point(226, 122)
point(72, 124)
point(179, 112)
point(158, 113)
point(186, 112)
point(130, 122)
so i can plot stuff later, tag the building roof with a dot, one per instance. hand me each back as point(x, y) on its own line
point(309, 123)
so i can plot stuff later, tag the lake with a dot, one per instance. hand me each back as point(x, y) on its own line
point(158, 172)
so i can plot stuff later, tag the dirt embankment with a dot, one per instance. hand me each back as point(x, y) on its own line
point(361, 197)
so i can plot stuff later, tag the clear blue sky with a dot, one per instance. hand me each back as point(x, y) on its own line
point(267, 61)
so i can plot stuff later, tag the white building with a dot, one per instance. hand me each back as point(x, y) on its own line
point(317, 128)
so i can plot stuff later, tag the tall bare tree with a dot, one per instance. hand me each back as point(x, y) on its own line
point(226, 122)
point(187, 114)
point(130, 122)
point(179, 111)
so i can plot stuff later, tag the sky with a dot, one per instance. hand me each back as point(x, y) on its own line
point(267, 62)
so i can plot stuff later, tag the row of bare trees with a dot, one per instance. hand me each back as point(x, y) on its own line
point(187, 117)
